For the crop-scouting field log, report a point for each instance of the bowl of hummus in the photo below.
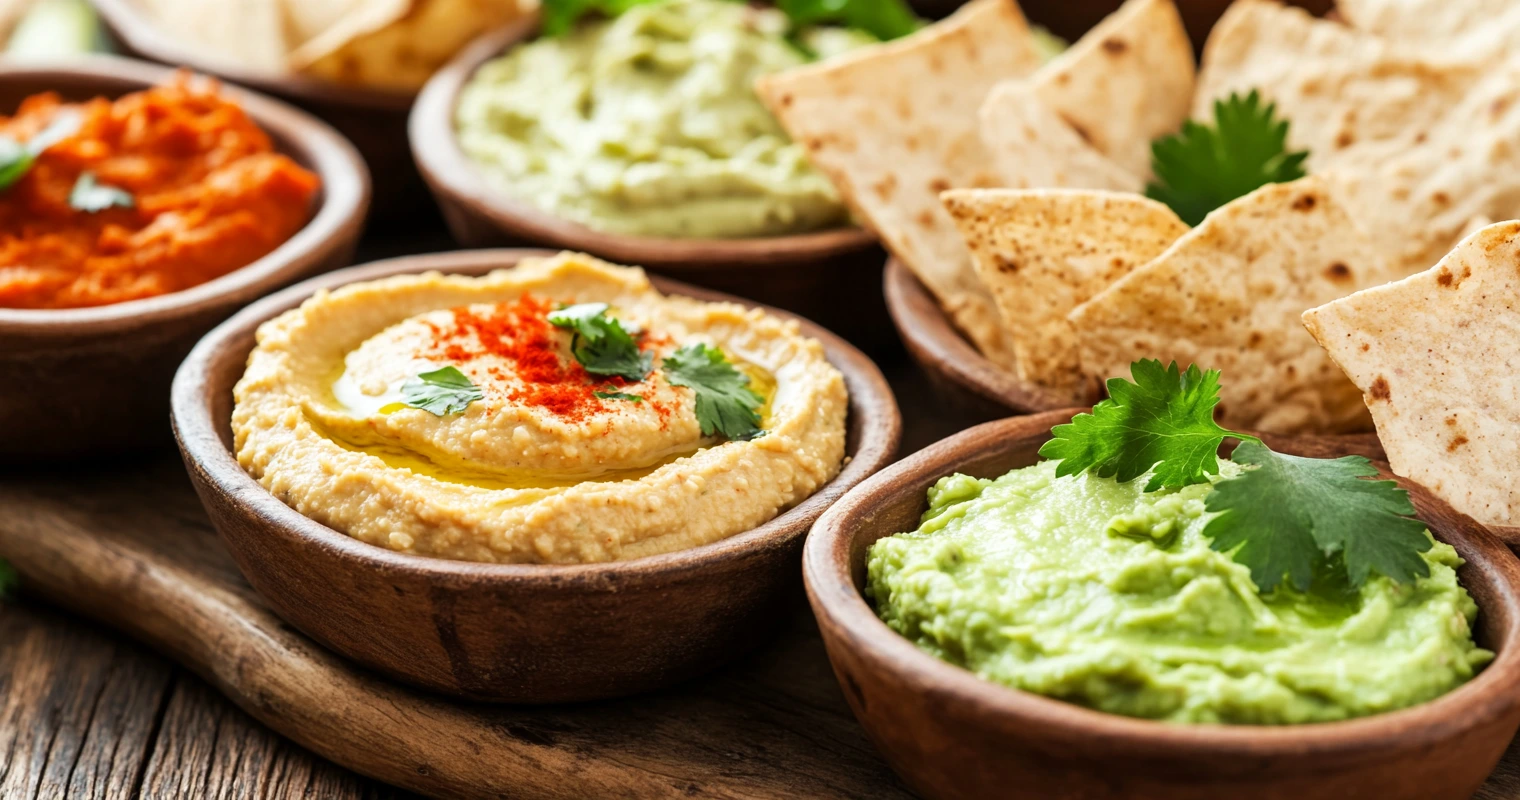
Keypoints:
(640, 139)
(525, 477)
(998, 622)
(138, 208)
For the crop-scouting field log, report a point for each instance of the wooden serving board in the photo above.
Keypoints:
(127, 544)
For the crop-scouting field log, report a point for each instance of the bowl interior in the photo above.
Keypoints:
(203, 409)
(452, 174)
(893, 501)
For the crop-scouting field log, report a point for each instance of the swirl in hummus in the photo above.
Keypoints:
(548, 463)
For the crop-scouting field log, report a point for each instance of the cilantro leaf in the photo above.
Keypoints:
(1164, 420)
(1287, 513)
(8, 579)
(601, 344)
(725, 403)
(89, 196)
(441, 392)
(558, 17)
(16, 159)
(1201, 168)
(884, 19)
(619, 396)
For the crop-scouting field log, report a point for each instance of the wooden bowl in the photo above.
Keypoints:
(373, 119)
(951, 734)
(826, 276)
(94, 380)
(519, 633)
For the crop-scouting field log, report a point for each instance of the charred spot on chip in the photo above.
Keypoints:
(1451, 420)
(938, 185)
(926, 218)
(1005, 264)
(1114, 46)
(1344, 139)
(1456, 442)
(786, 100)
(1338, 272)
(1305, 202)
(1441, 198)
(1444, 277)
(1379, 389)
(1366, 347)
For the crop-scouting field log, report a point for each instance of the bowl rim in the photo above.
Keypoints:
(128, 22)
(928, 333)
(204, 450)
(344, 199)
(839, 605)
(451, 175)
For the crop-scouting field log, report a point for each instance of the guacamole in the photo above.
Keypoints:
(1092, 591)
(648, 124)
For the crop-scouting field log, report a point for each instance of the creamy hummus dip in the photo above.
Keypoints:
(540, 461)
(648, 124)
(1098, 593)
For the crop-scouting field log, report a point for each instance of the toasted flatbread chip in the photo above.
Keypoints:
(1421, 142)
(1033, 147)
(1437, 356)
(240, 34)
(1044, 252)
(1125, 83)
(398, 44)
(895, 124)
(307, 19)
(1228, 295)
(1475, 28)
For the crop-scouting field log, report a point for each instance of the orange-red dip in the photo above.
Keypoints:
(210, 196)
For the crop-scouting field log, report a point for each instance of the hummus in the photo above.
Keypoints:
(1095, 592)
(549, 464)
(648, 124)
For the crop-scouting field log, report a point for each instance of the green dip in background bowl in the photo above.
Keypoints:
(648, 124)
(1095, 592)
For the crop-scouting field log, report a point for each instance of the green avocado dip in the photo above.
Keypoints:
(648, 124)
(1099, 593)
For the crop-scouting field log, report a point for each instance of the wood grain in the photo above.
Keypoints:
(128, 545)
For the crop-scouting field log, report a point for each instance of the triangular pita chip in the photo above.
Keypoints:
(398, 44)
(1482, 29)
(242, 34)
(1438, 358)
(1228, 296)
(895, 124)
(1125, 83)
(1044, 252)
(1033, 147)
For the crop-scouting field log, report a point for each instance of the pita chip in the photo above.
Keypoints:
(1228, 296)
(1437, 357)
(895, 124)
(1125, 83)
(397, 44)
(241, 34)
(1044, 252)
(1479, 29)
(1033, 147)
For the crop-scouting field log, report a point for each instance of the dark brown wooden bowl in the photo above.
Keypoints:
(951, 734)
(96, 380)
(506, 632)
(827, 276)
(373, 119)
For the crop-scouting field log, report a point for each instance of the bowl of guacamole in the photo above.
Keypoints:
(1003, 629)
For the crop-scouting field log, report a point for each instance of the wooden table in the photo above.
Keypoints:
(88, 713)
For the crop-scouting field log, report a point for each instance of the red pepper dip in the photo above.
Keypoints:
(208, 196)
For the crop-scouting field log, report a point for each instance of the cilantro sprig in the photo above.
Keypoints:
(441, 392)
(1282, 516)
(884, 19)
(1202, 167)
(17, 158)
(725, 403)
(91, 196)
(601, 344)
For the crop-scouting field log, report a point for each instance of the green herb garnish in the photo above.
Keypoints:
(725, 403)
(90, 196)
(619, 396)
(1201, 168)
(600, 343)
(441, 392)
(8, 579)
(1281, 516)
(884, 19)
(16, 158)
